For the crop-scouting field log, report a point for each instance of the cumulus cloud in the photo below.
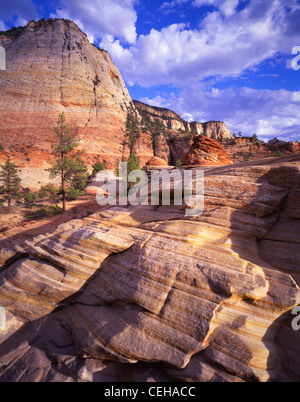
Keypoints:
(221, 46)
(102, 17)
(227, 7)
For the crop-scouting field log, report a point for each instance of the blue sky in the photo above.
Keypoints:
(228, 60)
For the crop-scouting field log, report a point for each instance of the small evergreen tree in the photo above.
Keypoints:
(30, 198)
(132, 132)
(11, 182)
(50, 191)
(156, 130)
(68, 165)
(133, 163)
(98, 167)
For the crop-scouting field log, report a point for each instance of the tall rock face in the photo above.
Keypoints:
(52, 67)
(147, 293)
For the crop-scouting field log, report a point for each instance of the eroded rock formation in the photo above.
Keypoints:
(172, 121)
(206, 152)
(144, 292)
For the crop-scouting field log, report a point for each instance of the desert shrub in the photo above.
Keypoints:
(278, 154)
(40, 213)
(188, 136)
(98, 167)
(247, 157)
(73, 193)
(30, 198)
(51, 192)
(44, 212)
(178, 163)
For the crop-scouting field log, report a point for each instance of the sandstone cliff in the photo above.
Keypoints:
(52, 67)
(145, 293)
(172, 121)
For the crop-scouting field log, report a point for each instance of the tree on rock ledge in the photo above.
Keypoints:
(11, 182)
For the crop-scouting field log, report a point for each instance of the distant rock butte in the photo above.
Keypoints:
(172, 121)
(243, 149)
(206, 152)
(148, 294)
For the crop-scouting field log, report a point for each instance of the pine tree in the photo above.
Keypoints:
(132, 133)
(68, 165)
(11, 182)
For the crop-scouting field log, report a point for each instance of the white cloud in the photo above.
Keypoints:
(264, 112)
(221, 46)
(102, 17)
(227, 7)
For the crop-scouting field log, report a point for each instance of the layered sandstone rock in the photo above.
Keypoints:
(154, 161)
(172, 121)
(52, 67)
(206, 152)
(251, 148)
(146, 293)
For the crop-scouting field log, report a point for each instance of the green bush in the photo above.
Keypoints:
(98, 167)
(44, 212)
(278, 154)
(247, 157)
(73, 194)
(40, 213)
(30, 198)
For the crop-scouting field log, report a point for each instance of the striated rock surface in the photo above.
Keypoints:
(206, 152)
(146, 293)
(154, 161)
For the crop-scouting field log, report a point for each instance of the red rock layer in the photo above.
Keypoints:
(206, 152)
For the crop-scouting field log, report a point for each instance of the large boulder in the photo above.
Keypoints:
(206, 152)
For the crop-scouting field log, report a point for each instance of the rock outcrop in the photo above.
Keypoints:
(206, 152)
(243, 149)
(172, 121)
(137, 293)
(154, 161)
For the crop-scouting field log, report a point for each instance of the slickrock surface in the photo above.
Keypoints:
(145, 293)
(206, 152)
